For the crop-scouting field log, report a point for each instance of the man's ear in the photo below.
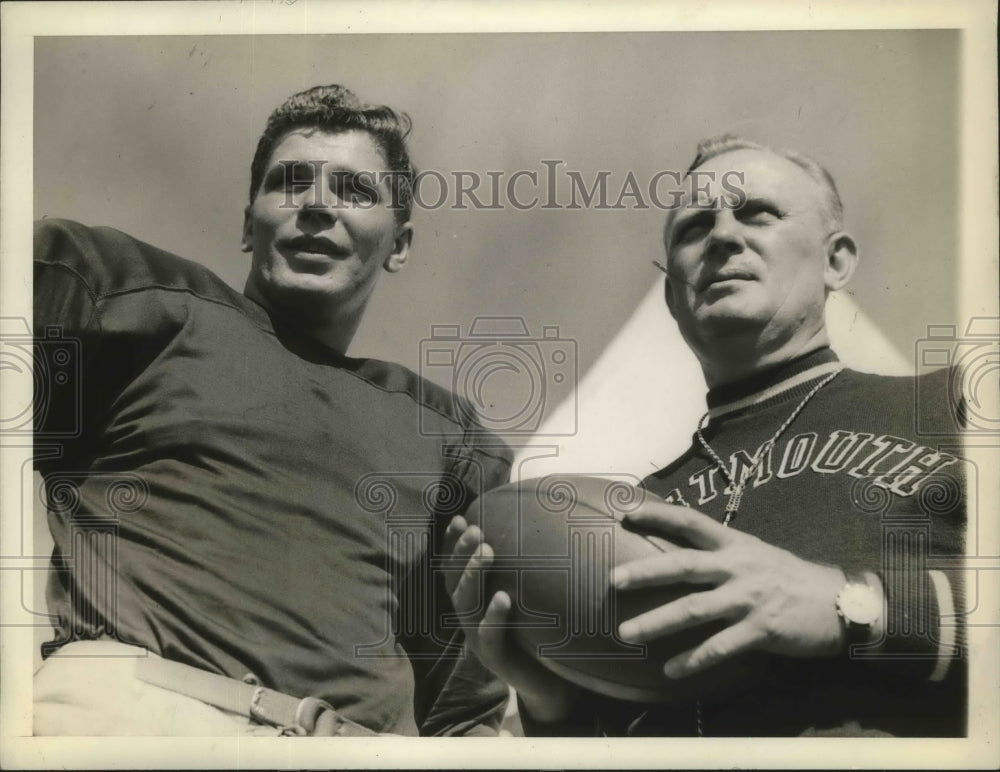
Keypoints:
(841, 260)
(400, 248)
(668, 295)
(246, 244)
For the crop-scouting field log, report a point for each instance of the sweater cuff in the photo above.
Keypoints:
(920, 636)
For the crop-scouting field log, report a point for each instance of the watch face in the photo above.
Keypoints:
(859, 604)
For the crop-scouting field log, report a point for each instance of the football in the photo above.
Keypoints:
(555, 541)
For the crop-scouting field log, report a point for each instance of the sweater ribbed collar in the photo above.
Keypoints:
(770, 383)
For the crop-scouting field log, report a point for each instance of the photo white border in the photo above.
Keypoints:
(977, 280)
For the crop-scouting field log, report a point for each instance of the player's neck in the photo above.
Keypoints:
(773, 381)
(335, 335)
(731, 362)
(333, 330)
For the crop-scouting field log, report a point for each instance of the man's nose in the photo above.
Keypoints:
(315, 203)
(727, 233)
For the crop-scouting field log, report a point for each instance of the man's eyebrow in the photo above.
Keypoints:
(759, 201)
(283, 165)
(681, 218)
(690, 213)
(325, 167)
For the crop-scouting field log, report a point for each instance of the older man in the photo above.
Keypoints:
(228, 554)
(812, 508)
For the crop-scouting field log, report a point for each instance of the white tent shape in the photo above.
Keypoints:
(638, 405)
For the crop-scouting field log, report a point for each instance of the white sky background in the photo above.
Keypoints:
(154, 135)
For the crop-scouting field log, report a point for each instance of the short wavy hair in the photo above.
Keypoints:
(727, 143)
(335, 108)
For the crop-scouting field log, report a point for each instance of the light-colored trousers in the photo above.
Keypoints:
(90, 688)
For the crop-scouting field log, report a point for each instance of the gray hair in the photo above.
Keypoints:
(727, 143)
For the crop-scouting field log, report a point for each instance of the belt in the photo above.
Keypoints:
(308, 716)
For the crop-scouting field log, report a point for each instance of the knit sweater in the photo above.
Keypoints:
(869, 476)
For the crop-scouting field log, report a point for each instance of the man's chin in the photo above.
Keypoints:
(301, 298)
(305, 286)
(722, 319)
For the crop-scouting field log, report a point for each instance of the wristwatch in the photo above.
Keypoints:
(859, 605)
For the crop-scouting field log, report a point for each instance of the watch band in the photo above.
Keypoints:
(856, 576)
(859, 605)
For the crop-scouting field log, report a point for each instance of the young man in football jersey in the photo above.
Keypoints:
(224, 559)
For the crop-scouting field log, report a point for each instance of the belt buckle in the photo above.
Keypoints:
(308, 710)
(257, 711)
(302, 723)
